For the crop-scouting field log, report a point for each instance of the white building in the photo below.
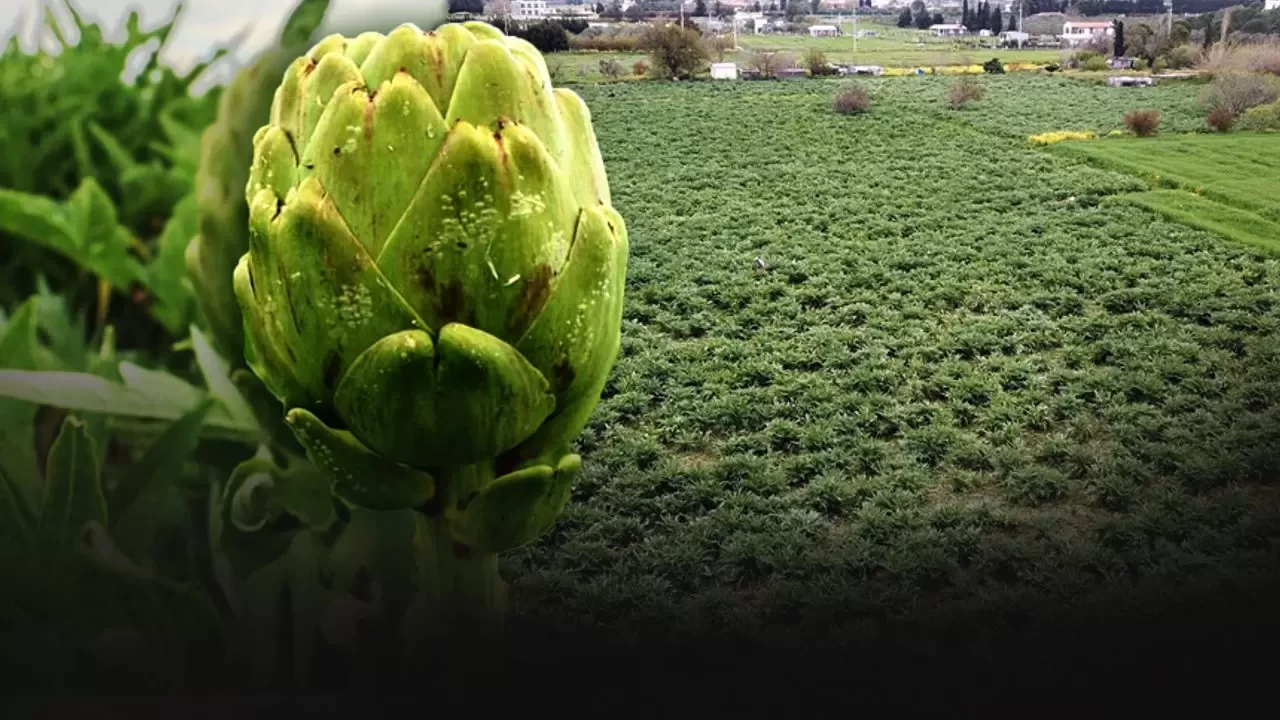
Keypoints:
(1272, 5)
(947, 30)
(724, 71)
(1079, 33)
(529, 9)
(824, 31)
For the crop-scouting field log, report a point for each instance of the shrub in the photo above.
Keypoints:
(1141, 64)
(964, 91)
(1143, 123)
(853, 100)
(1160, 65)
(993, 67)
(1182, 57)
(640, 68)
(1220, 119)
(1050, 138)
(611, 68)
(1096, 63)
(1240, 91)
(1262, 117)
(1079, 59)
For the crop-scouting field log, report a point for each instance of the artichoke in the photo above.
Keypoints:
(226, 149)
(434, 280)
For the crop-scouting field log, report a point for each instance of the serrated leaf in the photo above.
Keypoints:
(38, 219)
(303, 21)
(102, 245)
(73, 490)
(173, 302)
(217, 377)
(153, 484)
(169, 398)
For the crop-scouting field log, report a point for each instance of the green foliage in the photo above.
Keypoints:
(910, 389)
(72, 120)
(1261, 117)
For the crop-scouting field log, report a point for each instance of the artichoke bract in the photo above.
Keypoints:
(434, 281)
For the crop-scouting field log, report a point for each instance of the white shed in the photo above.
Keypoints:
(823, 31)
(947, 29)
(724, 71)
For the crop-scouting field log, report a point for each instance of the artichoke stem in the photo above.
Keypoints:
(462, 598)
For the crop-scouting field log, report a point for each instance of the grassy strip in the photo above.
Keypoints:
(1209, 214)
(1235, 170)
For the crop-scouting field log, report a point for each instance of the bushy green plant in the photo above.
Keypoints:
(993, 67)
(1261, 117)
(1096, 63)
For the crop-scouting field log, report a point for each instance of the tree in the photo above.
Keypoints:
(980, 17)
(700, 8)
(996, 22)
(814, 5)
(1013, 21)
(547, 36)
(1119, 39)
(635, 13)
(768, 62)
(475, 7)
(816, 62)
(599, 8)
(904, 19)
(938, 19)
(755, 7)
(678, 52)
(964, 13)
(923, 20)
(721, 45)
(614, 11)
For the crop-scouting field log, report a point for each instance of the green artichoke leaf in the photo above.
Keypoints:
(486, 233)
(362, 132)
(359, 476)
(432, 58)
(496, 84)
(463, 399)
(313, 298)
(514, 509)
(588, 299)
(582, 160)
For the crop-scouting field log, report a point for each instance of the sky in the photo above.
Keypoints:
(208, 24)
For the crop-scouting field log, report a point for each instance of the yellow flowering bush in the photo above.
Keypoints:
(1050, 138)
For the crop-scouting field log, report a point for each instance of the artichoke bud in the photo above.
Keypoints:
(435, 274)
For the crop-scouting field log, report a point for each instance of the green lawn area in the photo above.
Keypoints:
(962, 380)
(892, 48)
(1229, 184)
